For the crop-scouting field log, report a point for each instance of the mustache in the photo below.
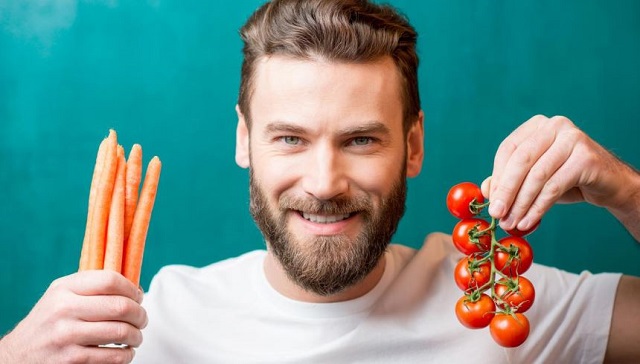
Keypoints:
(334, 206)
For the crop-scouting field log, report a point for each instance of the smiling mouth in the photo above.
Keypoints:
(324, 219)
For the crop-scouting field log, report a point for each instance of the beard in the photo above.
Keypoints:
(327, 265)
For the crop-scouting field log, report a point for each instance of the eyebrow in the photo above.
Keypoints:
(369, 127)
(282, 126)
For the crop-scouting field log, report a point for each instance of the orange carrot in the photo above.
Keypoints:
(132, 186)
(138, 235)
(115, 226)
(97, 170)
(103, 204)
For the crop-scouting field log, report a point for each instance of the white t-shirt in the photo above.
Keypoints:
(227, 312)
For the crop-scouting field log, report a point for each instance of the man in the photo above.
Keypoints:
(330, 126)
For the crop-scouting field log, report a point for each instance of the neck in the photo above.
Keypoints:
(278, 279)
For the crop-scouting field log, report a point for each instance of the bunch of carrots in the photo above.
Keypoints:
(119, 212)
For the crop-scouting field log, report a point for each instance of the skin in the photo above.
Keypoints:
(326, 130)
(549, 160)
(543, 162)
(75, 315)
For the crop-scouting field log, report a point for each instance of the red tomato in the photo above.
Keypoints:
(516, 259)
(461, 196)
(465, 242)
(475, 314)
(469, 274)
(518, 293)
(509, 331)
(523, 233)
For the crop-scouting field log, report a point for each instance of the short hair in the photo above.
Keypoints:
(335, 30)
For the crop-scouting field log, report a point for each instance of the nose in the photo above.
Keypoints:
(325, 175)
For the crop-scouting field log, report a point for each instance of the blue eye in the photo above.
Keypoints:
(291, 140)
(362, 140)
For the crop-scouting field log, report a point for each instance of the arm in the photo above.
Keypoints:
(545, 161)
(75, 315)
(624, 340)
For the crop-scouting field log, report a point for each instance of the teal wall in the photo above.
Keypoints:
(164, 73)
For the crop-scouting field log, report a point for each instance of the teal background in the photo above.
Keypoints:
(165, 74)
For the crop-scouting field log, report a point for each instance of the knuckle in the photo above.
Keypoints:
(538, 175)
(136, 339)
(120, 307)
(539, 118)
(143, 318)
(523, 156)
(62, 308)
(507, 146)
(56, 284)
(572, 135)
(119, 333)
(110, 280)
(554, 190)
(560, 120)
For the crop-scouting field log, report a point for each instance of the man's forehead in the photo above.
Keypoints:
(280, 81)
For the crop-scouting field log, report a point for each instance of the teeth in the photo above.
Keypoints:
(324, 219)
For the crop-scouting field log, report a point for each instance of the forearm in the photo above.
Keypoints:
(628, 213)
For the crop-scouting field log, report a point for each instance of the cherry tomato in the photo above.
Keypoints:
(517, 259)
(523, 233)
(475, 314)
(518, 293)
(469, 274)
(465, 242)
(509, 331)
(459, 198)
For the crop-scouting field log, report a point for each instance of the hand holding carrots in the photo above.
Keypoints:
(80, 313)
(75, 316)
(117, 220)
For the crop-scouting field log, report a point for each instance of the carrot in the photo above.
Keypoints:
(102, 205)
(135, 247)
(115, 226)
(97, 170)
(132, 186)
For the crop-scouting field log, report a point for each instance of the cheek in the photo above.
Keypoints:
(274, 174)
(377, 178)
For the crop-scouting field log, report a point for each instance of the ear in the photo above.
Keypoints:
(415, 146)
(242, 141)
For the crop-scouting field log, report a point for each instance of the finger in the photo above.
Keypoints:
(503, 155)
(107, 332)
(89, 354)
(103, 282)
(112, 308)
(485, 187)
(536, 178)
(527, 153)
(561, 182)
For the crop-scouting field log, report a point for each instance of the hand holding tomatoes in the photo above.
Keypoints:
(511, 294)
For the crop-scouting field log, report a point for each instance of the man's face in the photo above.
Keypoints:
(328, 161)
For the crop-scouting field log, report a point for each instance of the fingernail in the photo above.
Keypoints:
(140, 295)
(507, 224)
(524, 224)
(496, 208)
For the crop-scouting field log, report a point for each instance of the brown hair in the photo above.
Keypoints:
(338, 30)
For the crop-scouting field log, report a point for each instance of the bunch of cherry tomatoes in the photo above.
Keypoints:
(490, 275)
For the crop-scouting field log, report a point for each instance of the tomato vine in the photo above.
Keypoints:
(490, 265)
